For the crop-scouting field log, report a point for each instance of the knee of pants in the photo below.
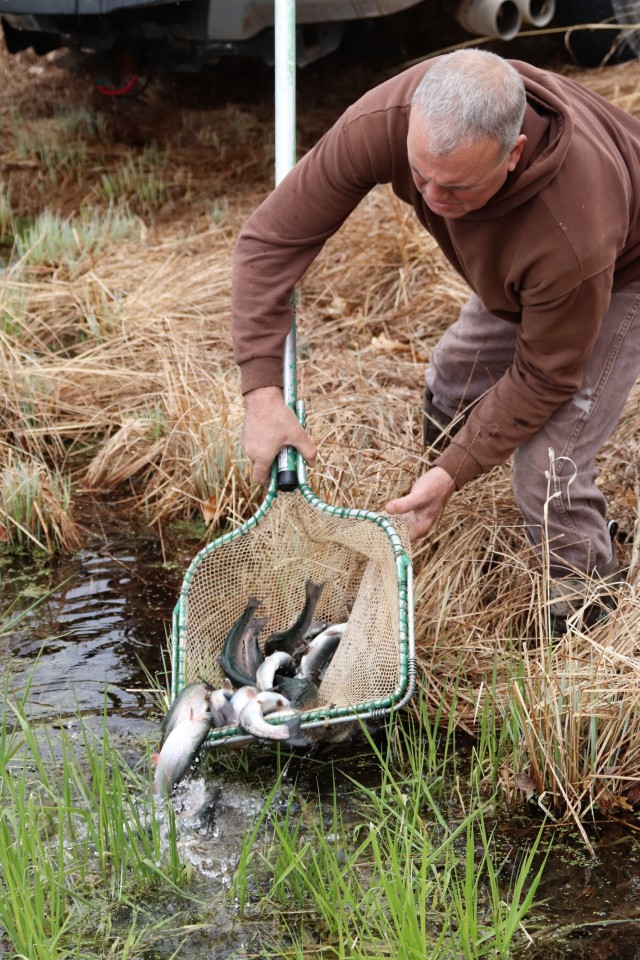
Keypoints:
(531, 484)
(449, 378)
(562, 504)
(546, 483)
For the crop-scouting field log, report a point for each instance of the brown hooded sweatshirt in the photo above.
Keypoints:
(545, 252)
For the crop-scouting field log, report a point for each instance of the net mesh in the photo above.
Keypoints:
(292, 543)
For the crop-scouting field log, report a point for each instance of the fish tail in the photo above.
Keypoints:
(293, 727)
(313, 590)
(296, 737)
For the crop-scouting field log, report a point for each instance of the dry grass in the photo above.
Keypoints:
(117, 372)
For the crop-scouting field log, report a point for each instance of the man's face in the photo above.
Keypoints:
(463, 180)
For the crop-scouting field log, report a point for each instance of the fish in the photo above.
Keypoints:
(251, 654)
(269, 701)
(290, 640)
(193, 696)
(320, 651)
(243, 634)
(251, 721)
(314, 628)
(203, 821)
(301, 692)
(241, 697)
(180, 749)
(278, 662)
(243, 669)
(222, 712)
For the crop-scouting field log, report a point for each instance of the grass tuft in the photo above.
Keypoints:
(79, 835)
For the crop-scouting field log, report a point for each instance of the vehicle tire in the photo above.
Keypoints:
(594, 48)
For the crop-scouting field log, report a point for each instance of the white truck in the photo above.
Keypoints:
(183, 35)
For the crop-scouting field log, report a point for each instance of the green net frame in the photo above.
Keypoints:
(364, 559)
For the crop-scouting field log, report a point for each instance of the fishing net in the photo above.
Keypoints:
(363, 561)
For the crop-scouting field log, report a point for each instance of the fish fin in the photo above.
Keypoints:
(293, 726)
(300, 741)
(154, 759)
(227, 685)
(314, 589)
(296, 737)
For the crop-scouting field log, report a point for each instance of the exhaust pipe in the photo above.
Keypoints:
(536, 12)
(497, 18)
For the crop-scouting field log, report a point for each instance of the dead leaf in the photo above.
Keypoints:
(210, 509)
(633, 793)
(526, 784)
(607, 802)
(382, 342)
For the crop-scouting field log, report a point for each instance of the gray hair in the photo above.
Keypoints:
(471, 95)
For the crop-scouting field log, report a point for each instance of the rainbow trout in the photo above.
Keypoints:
(293, 639)
(241, 655)
(320, 651)
(278, 662)
(181, 747)
(193, 697)
(251, 719)
(301, 692)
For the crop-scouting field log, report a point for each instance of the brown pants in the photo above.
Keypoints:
(556, 492)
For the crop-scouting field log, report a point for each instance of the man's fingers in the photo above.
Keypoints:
(270, 425)
(417, 529)
(308, 450)
(261, 472)
(401, 505)
(424, 503)
(262, 468)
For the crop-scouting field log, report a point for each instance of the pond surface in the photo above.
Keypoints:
(94, 620)
(105, 619)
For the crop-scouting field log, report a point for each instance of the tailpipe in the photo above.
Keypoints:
(536, 12)
(496, 18)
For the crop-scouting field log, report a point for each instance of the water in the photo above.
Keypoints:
(105, 621)
(94, 620)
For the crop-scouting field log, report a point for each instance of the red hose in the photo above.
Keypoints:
(121, 91)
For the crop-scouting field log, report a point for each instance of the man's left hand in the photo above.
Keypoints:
(424, 504)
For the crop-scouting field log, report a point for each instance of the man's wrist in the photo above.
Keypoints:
(260, 372)
(261, 395)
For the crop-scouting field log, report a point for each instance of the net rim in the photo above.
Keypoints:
(376, 708)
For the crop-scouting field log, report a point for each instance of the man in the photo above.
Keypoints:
(530, 184)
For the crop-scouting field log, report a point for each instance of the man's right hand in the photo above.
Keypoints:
(269, 425)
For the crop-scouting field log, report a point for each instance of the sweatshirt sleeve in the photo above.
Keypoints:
(279, 242)
(554, 342)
